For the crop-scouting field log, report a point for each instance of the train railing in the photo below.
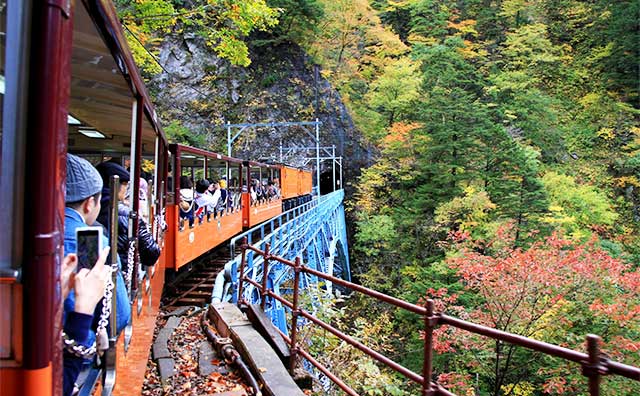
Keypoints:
(593, 363)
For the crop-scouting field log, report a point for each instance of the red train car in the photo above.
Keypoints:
(69, 84)
(83, 94)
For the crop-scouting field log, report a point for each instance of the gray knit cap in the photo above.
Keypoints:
(83, 180)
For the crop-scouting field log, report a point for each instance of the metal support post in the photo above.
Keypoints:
(109, 357)
(341, 183)
(294, 315)
(333, 167)
(427, 365)
(265, 275)
(229, 142)
(241, 274)
(592, 370)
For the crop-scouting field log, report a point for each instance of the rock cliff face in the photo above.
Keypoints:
(204, 92)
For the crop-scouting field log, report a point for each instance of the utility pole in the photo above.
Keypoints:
(318, 155)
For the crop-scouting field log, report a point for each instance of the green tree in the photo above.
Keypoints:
(577, 208)
(224, 24)
(395, 93)
(178, 133)
(297, 20)
(429, 19)
(455, 125)
(511, 178)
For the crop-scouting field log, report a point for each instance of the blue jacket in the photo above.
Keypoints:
(77, 327)
(72, 365)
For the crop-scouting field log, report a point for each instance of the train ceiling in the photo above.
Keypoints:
(101, 98)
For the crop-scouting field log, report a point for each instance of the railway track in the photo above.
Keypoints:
(194, 285)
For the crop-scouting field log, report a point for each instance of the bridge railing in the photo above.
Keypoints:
(594, 364)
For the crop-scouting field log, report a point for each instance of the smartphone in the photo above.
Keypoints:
(89, 246)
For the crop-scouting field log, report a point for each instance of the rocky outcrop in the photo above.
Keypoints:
(205, 92)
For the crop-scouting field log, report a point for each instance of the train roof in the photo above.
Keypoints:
(105, 83)
(180, 149)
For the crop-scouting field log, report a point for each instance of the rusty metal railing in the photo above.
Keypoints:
(594, 364)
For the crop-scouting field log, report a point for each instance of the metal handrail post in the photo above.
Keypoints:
(265, 272)
(592, 370)
(241, 275)
(110, 356)
(294, 315)
(427, 365)
(114, 186)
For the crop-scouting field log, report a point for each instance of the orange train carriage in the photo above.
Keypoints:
(90, 100)
(185, 242)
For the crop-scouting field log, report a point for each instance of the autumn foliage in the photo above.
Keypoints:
(555, 291)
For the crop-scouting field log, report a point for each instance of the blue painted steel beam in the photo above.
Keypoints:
(315, 232)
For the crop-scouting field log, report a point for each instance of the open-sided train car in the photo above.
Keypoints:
(187, 240)
(69, 84)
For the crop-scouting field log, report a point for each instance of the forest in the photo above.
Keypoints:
(505, 182)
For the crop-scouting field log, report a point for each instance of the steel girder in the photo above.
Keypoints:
(317, 234)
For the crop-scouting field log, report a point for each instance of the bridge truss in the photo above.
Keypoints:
(314, 232)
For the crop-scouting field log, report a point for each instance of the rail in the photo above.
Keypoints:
(594, 364)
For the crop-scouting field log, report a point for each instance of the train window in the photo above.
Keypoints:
(217, 170)
(3, 40)
(5, 290)
(276, 176)
(192, 166)
(14, 28)
(255, 173)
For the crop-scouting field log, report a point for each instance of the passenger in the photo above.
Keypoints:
(272, 191)
(254, 192)
(265, 192)
(88, 287)
(186, 199)
(148, 250)
(83, 193)
(111, 168)
(202, 200)
(224, 195)
(143, 198)
(219, 205)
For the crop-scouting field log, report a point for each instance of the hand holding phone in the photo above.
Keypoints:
(89, 285)
(89, 246)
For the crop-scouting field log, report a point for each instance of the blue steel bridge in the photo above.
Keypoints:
(315, 232)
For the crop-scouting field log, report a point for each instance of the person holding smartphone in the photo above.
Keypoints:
(83, 193)
(88, 285)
